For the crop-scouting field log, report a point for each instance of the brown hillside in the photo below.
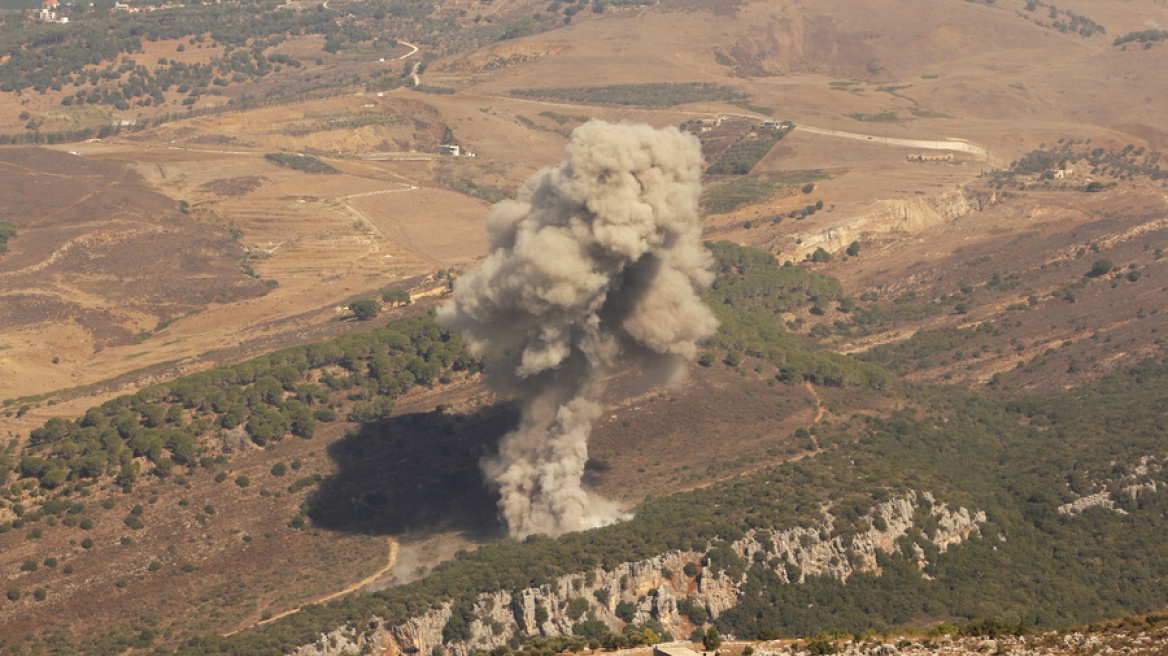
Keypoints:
(100, 258)
(104, 261)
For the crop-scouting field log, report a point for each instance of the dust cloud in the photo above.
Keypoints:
(597, 262)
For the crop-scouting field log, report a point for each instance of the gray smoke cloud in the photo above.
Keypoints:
(597, 261)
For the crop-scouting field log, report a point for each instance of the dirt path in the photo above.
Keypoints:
(927, 144)
(818, 412)
(408, 54)
(952, 143)
(390, 561)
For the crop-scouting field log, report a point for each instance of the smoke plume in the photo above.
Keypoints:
(597, 261)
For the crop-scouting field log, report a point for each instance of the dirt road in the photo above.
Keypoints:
(390, 561)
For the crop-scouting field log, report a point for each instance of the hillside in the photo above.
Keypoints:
(953, 486)
(934, 397)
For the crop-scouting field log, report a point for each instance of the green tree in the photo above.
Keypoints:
(853, 249)
(576, 608)
(1101, 267)
(266, 425)
(711, 640)
(300, 419)
(365, 309)
(7, 231)
(820, 255)
(396, 297)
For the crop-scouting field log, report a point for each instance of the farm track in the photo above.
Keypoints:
(391, 560)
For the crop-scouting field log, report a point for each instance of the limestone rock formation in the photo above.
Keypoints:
(655, 585)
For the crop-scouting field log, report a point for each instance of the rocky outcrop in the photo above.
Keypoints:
(898, 216)
(655, 586)
(1132, 480)
(1097, 500)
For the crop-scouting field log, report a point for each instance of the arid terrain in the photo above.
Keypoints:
(153, 253)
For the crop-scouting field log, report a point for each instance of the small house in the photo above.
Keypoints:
(48, 12)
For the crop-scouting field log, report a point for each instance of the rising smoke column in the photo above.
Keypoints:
(597, 261)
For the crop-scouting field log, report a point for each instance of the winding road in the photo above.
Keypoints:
(391, 560)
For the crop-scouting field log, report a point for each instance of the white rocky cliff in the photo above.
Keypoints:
(656, 585)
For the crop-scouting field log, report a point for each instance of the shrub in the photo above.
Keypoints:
(576, 608)
(365, 309)
(1101, 267)
(396, 297)
(819, 255)
(301, 483)
(304, 163)
(665, 94)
